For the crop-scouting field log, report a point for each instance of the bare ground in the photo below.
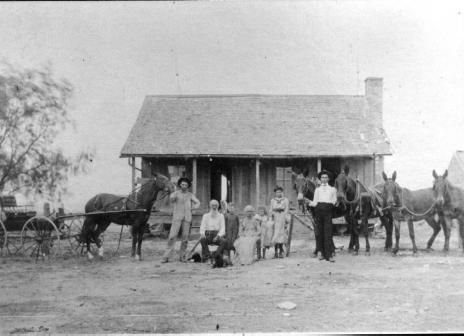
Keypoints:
(355, 294)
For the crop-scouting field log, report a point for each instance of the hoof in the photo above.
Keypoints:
(355, 253)
(368, 253)
(429, 249)
(90, 256)
(137, 257)
(100, 252)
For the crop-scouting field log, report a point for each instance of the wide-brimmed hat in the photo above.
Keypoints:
(324, 172)
(278, 188)
(249, 208)
(184, 179)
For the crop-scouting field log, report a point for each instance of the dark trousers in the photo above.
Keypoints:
(209, 239)
(324, 240)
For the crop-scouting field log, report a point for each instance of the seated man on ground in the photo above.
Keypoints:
(212, 230)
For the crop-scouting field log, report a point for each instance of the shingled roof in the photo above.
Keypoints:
(256, 126)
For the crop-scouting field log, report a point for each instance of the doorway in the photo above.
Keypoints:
(221, 179)
(333, 166)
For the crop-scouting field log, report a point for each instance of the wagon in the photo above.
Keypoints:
(23, 232)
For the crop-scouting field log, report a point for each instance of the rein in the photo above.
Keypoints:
(409, 211)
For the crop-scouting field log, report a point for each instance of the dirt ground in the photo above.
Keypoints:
(355, 294)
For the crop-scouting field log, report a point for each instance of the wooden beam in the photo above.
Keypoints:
(257, 163)
(132, 163)
(194, 176)
(374, 169)
(319, 165)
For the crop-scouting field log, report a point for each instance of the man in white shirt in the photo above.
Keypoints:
(212, 229)
(324, 200)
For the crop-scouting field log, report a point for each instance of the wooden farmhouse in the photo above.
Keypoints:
(239, 147)
(456, 169)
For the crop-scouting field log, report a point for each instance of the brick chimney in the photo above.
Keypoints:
(374, 97)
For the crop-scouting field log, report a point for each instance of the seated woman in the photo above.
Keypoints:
(249, 233)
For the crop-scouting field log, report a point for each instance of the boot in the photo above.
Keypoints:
(281, 251)
(275, 252)
(264, 253)
(258, 252)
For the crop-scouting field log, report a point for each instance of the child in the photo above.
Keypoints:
(267, 232)
(262, 218)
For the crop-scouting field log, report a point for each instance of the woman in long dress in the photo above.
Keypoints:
(279, 208)
(249, 233)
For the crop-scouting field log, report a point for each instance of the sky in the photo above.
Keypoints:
(116, 53)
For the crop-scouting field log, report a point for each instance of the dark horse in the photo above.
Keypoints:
(304, 187)
(347, 200)
(360, 203)
(143, 198)
(449, 201)
(411, 205)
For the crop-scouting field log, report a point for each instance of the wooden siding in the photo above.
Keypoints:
(242, 176)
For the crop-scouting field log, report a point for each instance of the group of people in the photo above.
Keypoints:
(256, 232)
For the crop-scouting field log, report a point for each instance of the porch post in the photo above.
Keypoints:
(257, 163)
(132, 164)
(194, 176)
(374, 169)
(319, 165)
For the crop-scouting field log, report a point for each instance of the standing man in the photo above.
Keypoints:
(184, 201)
(325, 198)
(212, 230)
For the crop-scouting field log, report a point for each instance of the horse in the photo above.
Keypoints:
(96, 224)
(305, 188)
(410, 205)
(449, 201)
(347, 199)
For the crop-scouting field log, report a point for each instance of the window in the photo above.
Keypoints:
(176, 172)
(284, 179)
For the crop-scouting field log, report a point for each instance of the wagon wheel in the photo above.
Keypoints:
(40, 238)
(3, 237)
(73, 229)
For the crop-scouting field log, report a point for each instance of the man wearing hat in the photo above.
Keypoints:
(183, 201)
(324, 200)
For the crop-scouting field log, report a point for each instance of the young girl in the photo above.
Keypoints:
(267, 232)
(261, 218)
(279, 208)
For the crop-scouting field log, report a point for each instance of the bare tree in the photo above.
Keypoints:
(33, 111)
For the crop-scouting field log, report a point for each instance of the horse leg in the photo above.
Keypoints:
(87, 231)
(387, 223)
(436, 229)
(134, 239)
(365, 226)
(397, 225)
(140, 232)
(446, 224)
(461, 230)
(101, 227)
(411, 235)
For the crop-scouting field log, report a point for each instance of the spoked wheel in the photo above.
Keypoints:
(40, 238)
(3, 238)
(73, 228)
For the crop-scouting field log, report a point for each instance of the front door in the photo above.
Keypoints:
(221, 176)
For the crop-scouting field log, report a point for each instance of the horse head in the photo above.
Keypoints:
(390, 191)
(155, 184)
(440, 189)
(345, 186)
